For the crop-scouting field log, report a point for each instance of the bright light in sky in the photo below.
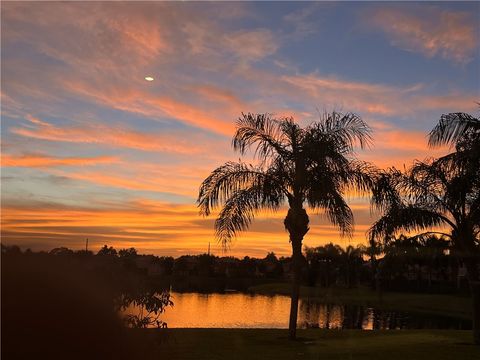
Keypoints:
(149, 78)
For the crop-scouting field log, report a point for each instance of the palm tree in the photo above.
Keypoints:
(430, 195)
(297, 166)
(463, 131)
(442, 192)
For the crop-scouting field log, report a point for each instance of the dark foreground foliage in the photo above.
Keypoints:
(65, 307)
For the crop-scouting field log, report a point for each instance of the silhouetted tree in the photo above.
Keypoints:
(107, 251)
(127, 253)
(462, 131)
(442, 192)
(432, 194)
(61, 251)
(315, 166)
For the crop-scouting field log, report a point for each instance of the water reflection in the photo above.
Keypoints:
(238, 310)
(334, 316)
(227, 311)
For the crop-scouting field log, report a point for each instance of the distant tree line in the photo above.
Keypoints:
(417, 263)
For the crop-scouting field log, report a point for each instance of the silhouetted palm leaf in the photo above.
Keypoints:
(452, 128)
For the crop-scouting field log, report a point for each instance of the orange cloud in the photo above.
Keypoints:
(37, 160)
(180, 179)
(398, 147)
(369, 98)
(361, 96)
(251, 45)
(152, 106)
(126, 40)
(220, 96)
(153, 226)
(108, 135)
(430, 31)
(456, 102)
(168, 183)
(192, 115)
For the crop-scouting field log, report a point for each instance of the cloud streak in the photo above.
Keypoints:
(112, 135)
(43, 161)
(429, 30)
(158, 227)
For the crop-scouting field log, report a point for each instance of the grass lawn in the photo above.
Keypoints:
(250, 344)
(446, 305)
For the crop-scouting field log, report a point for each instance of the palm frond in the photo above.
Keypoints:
(262, 132)
(336, 209)
(386, 190)
(359, 177)
(451, 128)
(229, 178)
(409, 218)
(346, 130)
(240, 209)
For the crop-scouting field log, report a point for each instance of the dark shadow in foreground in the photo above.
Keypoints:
(56, 310)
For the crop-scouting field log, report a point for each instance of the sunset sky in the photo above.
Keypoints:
(90, 149)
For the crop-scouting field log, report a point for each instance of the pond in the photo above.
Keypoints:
(239, 310)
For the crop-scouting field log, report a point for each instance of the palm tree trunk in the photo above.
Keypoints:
(296, 262)
(296, 223)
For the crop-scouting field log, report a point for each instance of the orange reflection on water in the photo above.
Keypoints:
(238, 310)
(233, 310)
(228, 311)
(368, 321)
(324, 316)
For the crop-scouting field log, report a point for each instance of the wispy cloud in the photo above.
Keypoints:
(112, 135)
(155, 107)
(429, 30)
(373, 98)
(251, 45)
(305, 21)
(39, 160)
